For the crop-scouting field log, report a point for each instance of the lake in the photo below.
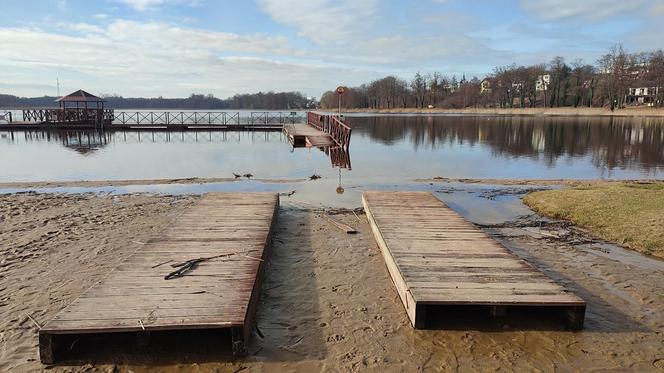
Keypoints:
(384, 149)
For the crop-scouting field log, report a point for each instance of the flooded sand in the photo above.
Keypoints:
(327, 302)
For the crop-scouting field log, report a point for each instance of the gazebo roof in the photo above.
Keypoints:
(80, 96)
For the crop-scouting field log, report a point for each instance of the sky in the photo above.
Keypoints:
(173, 48)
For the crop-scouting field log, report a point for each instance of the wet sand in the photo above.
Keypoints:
(117, 183)
(35, 185)
(327, 302)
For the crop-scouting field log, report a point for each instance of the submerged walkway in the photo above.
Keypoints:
(218, 245)
(436, 259)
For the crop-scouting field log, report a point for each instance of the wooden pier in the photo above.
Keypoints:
(436, 259)
(321, 131)
(300, 134)
(218, 244)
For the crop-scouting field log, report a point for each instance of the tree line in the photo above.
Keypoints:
(256, 101)
(617, 79)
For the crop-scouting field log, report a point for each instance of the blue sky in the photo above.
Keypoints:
(173, 48)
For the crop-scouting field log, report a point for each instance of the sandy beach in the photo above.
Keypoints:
(327, 302)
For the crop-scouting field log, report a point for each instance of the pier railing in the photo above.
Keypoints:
(161, 118)
(210, 118)
(6, 117)
(331, 124)
(69, 115)
(339, 157)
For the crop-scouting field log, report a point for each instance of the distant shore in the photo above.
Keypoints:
(563, 111)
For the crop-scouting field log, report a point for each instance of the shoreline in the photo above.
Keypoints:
(564, 111)
(561, 182)
(128, 182)
(212, 180)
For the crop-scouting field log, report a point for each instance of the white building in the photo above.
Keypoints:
(542, 83)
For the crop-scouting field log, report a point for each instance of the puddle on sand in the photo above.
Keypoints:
(624, 256)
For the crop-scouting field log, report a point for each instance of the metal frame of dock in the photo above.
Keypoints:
(436, 258)
(59, 119)
(226, 235)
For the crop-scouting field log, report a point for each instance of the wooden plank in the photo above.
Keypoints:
(301, 134)
(436, 257)
(231, 229)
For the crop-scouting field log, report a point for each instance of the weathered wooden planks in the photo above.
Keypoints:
(219, 293)
(435, 257)
(301, 134)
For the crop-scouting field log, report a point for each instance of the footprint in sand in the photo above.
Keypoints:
(658, 363)
(335, 338)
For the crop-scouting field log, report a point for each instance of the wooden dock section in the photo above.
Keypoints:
(436, 259)
(300, 134)
(226, 235)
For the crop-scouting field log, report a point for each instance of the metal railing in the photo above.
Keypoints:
(69, 115)
(6, 117)
(331, 124)
(197, 118)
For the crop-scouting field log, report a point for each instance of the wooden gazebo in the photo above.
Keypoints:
(79, 109)
(84, 108)
(82, 100)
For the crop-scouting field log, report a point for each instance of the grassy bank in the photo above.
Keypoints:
(563, 111)
(630, 214)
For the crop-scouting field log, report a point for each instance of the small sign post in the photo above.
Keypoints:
(340, 91)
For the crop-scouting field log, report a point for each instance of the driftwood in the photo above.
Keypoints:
(34, 321)
(161, 264)
(189, 265)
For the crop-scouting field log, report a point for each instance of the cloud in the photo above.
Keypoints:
(363, 33)
(143, 5)
(187, 40)
(550, 10)
(657, 10)
(152, 59)
(85, 28)
(324, 21)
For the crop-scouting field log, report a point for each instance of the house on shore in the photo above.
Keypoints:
(542, 82)
(485, 85)
(645, 93)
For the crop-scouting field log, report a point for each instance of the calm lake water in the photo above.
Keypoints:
(384, 149)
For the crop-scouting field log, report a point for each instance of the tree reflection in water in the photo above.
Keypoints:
(612, 142)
